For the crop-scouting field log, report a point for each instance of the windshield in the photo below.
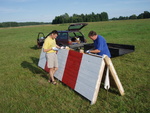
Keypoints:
(75, 27)
(62, 36)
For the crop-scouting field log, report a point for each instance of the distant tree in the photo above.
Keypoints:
(74, 19)
(114, 18)
(140, 16)
(80, 18)
(123, 18)
(14, 24)
(65, 18)
(65, 15)
(83, 17)
(86, 18)
(133, 16)
(146, 14)
(126, 17)
(100, 17)
(104, 16)
(74, 15)
(58, 20)
(1, 25)
(97, 17)
(89, 18)
(71, 20)
(9, 24)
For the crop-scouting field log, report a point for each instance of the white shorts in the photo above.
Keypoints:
(52, 61)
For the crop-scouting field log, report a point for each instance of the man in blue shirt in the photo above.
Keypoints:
(100, 44)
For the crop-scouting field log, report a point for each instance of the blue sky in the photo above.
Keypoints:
(46, 10)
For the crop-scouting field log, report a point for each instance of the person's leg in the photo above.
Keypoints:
(51, 73)
(55, 69)
(53, 65)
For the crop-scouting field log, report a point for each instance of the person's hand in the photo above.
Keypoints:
(55, 48)
(62, 47)
(67, 47)
(88, 51)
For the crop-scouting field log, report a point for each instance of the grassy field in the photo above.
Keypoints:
(24, 87)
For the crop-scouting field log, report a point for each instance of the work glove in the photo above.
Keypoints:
(55, 48)
(88, 51)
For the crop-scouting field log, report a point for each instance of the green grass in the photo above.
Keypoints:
(24, 87)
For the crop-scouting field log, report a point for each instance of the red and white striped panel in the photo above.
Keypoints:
(81, 72)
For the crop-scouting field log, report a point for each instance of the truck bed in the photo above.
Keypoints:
(115, 49)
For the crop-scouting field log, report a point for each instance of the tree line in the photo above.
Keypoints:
(143, 15)
(16, 24)
(65, 18)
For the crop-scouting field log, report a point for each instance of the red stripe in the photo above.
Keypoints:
(72, 68)
(46, 68)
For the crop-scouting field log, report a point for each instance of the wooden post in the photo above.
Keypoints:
(114, 74)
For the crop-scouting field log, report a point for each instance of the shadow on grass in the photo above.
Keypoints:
(113, 87)
(113, 90)
(35, 47)
(33, 67)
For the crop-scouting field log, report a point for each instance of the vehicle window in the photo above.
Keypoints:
(75, 27)
(62, 36)
(78, 34)
(71, 34)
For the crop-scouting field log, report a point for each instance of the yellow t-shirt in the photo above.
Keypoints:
(49, 43)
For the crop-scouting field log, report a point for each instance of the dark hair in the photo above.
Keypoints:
(54, 32)
(92, 33)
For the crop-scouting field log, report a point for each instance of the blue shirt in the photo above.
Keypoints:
(100, 44)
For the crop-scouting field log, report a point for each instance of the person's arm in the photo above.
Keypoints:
(99, 47)
(58, 46)
(95, 51)
(46, 50)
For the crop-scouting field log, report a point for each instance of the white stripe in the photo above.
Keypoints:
(62, 58)
(42, 60)
(88, 76)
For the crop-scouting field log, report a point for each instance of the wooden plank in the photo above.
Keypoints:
(62, 58)
(89, 70)
(84, 90)
(90, 67)
(114, 74)
(88, 81)
(98, 82)
(72, 68)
